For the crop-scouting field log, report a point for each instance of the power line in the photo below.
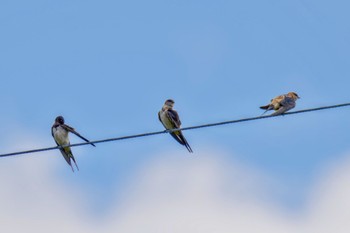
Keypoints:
(174, 130)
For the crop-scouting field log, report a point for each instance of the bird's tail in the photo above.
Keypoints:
(185, 143)
(71, 167)
(67, 155)
(266, 108)
(178, 136)
(74, 163)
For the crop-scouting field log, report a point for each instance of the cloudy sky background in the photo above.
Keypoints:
(108, 66)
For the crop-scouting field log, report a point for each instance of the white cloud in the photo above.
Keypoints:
(329, 206)
(206, 192)
(199, 195)
(32, 199)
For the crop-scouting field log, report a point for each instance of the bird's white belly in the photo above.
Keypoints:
(61, 136)
(165, 120)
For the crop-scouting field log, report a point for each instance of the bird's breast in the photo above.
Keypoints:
(61, 135)
(166, 121)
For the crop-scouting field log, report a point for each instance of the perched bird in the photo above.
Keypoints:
(170, 119)
(59, 131)
(281, 104)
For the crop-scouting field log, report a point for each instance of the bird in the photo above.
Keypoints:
(281, 103)
(59, 131)
(171, 120)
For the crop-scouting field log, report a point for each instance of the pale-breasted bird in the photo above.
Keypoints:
(281, 104)
(170, 120)
(59, 131)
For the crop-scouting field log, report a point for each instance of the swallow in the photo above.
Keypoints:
(281, 104)
(59, 131)
(171, 120)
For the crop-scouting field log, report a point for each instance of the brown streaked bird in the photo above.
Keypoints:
(170, 120)
(281, 104)
(59, 131)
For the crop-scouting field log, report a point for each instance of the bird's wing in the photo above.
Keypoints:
(280, 111)
(277, 100)
(174, 118)
(274, 104)
(72, 130)
(288, 102)
(175, 122)
(286, 105)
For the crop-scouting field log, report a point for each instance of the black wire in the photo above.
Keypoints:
(174, 130)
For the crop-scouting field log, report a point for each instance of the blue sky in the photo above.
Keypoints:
(108, 66)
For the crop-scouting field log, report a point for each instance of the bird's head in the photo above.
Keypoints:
(59, 120)
(169, 103)
(293, 95)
